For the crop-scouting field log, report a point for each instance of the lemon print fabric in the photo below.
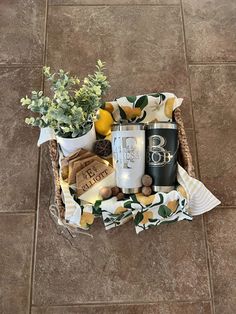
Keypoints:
(145, 200)
(86, 220)
(144, 108)
(161, 208)
(169, 107)
(120, 210)
(146, 216)
(182, 191)
(115, 213)
(172, 205)
(145, 211)
(109, 107)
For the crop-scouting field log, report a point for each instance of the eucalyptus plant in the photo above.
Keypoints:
(72, 109)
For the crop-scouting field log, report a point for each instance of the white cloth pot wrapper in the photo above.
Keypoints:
(69, 145)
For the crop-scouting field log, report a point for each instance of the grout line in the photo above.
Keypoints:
(18, 212)
(20, 65)
(209, 265)
(38, 177)
(112, 303)
(192, 64)
(199, 63)
(114, 5)
(190, 91)
(198, 167)
(34, 244)
(189, 86)
(226, 206)
(45, 38)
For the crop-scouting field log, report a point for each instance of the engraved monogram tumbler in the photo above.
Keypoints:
(161, 155)
(128, 149)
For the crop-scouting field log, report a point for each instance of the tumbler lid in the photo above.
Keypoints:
(161, 125)
(128, 126)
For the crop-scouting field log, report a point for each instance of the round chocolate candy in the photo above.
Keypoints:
(146, 190)
(120, 196)
(146, 180)
(105, 192)
(115, 190)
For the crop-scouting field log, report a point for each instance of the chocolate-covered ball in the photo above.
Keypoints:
(102, 148)
(115, 190)
(146, 190)
(146, 180)
(120, 196)
(105, 192)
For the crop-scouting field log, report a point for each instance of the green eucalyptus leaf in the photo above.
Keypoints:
(70, 111)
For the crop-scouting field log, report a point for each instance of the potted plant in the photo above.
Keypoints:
(71, 110)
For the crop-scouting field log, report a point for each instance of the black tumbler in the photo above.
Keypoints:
(161, 155)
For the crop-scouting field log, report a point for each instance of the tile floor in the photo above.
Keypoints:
(184, 46)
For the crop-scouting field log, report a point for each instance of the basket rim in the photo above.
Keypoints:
(184, 156)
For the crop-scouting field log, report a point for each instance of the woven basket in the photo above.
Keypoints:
(184, 158)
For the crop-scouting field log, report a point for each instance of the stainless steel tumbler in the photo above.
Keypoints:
(161, 155)
(128, 149)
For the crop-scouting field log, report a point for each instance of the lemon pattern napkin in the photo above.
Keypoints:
(145, 108)
(190, 198)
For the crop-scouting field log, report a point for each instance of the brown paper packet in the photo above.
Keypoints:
(80, 164)
(65, 161)
(90, 175)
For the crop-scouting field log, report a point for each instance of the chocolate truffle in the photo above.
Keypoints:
(115, 190)
(105, 192)
(120, 196)
(146, 190)
(146, 180)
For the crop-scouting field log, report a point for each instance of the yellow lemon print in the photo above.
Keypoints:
(172, 205)
(109, 107)
(169, 105)
(104, 122)
(120, 210)
(131, 113)
(145, 200)
(182, 191)
(146, 215)
(86, 219)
